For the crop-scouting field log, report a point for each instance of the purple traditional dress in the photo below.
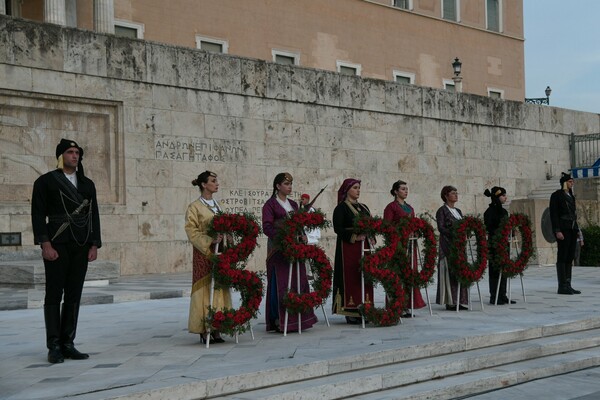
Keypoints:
(447, 284)
(394, 212)
(278, 267)
(198, 218)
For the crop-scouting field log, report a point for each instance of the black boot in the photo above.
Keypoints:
(52, 321)
(568, 269)
(563, 287)
(70, 312)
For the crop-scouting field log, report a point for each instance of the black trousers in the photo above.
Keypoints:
(66, 274)
(566, 247)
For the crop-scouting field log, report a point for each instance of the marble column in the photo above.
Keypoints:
(104, 16)
(55, 12)
(2, 8)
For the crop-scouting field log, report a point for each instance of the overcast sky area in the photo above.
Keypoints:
(562, 50)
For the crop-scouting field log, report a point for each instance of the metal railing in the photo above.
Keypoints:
(585, 150)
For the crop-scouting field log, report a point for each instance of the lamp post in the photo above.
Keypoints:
(457, 67)
(541, 100)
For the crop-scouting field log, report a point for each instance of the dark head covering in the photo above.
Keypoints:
(343, 190)
(495, 193)
(563, 179)
(305, 196)
(64, 145)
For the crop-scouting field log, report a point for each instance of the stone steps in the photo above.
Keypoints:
(439, 370)
(545, 190)
(30, 273)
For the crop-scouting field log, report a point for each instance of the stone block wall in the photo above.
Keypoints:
(151, 117)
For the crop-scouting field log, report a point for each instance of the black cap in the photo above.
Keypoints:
(66, 144)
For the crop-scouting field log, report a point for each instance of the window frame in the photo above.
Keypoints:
(409, 8)
(409, 75)
(500, 17)
(495, 90)
(285, 53)
(457, 4)
(139, 27)
(223, 42)
(448, 82)
(348, 64)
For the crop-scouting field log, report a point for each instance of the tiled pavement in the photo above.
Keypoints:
(137, 344)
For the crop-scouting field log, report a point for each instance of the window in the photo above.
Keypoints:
(450, 10)
(404, 77)
(211, 44)
(285, 57)
(129, 29)
(495, 93)
(347, 68)
(449, 85)
(404, 4)
(493, 13)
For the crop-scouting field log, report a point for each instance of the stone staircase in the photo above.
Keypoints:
(545, 190)
(441, 370)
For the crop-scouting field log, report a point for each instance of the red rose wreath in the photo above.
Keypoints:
(416, 228)
(293, 250)
(245, 230)
(500, 242)
(464, 271)
(375, 268)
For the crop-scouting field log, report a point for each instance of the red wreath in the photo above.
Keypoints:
(419, 228)
(374, 264)
(293, 250)
(244, 229)
(464, 271)
(500, 243)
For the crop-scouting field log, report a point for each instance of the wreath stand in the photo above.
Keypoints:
(513, 245)
(413, 247)
(469, 290)
(322, 305)
(289, 287)
(211, 298)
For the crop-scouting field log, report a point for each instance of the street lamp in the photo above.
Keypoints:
(541, 100)
(457, 67)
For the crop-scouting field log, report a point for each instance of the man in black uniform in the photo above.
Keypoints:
(563, 214)
(66, 224)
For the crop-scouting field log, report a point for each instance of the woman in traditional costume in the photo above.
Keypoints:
(447, 286)
(347, 290)
(492, 218)
(395, 212)
(198, 219)
(274, 213)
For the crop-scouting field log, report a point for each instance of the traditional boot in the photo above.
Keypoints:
(568, 269)
(70, 312)
(52, 321)
(561, 274)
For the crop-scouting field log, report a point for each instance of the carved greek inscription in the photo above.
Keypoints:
(200, 150)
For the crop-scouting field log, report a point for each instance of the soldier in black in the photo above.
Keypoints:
(66, 224)
(563, 213)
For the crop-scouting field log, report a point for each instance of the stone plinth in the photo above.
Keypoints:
(31, 272)
(534, 208)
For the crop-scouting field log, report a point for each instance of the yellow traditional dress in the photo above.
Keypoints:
(198, 218)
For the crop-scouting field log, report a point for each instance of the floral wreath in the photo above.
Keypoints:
(374, 264)
(419, 228)
(467, 273)
(500, 243)
(287, 242)
(244, 229)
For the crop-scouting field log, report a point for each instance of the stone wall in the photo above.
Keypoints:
(151, 117)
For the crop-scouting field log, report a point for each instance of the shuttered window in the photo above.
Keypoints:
(450, 10)
(493, 15)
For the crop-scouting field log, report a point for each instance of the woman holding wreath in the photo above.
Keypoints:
(395, 212)
(274, 213)
(492, 217)
(447, 284)
(347, 274)
(198, 219)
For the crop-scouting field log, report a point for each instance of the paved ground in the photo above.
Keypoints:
(143, 344)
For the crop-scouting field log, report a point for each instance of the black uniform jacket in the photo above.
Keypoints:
(562, 211)
(53, 197)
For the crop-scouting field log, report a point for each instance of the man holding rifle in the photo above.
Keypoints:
(66, 224)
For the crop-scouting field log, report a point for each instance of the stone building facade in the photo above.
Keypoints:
(413, 41)
(151, 117)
